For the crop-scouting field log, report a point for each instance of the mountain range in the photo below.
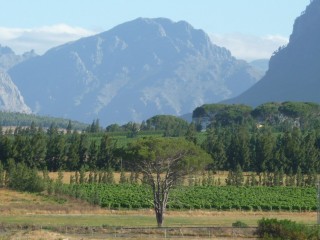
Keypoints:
(11, 99)
(294, 70)
(134, 71)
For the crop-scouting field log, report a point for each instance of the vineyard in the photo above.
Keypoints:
(133, 196)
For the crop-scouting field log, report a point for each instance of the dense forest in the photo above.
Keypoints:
(234, 138)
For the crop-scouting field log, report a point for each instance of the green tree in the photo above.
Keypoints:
(94, 127)
(2, 172)
(215, 147)
(238, 151)
(311, 153)
(38, 143)
(82, 175)
(191, 134)
(69, 127)
(55, 155)
(171, 125)
(110, 176)
(92, 155)
(164, 162)
(133, 129)
(5, 149)
(264, 151)
(106, 157)
(83, 150)
(23, 178)
(123, 178)
(73, 159)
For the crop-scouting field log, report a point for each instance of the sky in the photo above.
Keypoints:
(250, 29)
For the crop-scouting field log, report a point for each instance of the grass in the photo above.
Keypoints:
(221, 219)
(24, 208)
(31, 209)
(222, 175)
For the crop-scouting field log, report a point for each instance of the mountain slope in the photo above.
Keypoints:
(8, 58)
(294, 70)
(132, 72)
(10, 97)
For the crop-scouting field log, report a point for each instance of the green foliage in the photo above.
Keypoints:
(207, 110)
(259, 149)
(171, 125)
(2, 175)
(94, 127)
(163, 163)
(22, 119)
(266, 111)
(239, 224)
(278, 115)
(285, 229)
(223, 114)
(299, 109)
(106, 157)
(235, 178)
(200, 197)
(23, 178)
(181, 156)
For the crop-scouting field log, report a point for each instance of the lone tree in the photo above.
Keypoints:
(163, 162)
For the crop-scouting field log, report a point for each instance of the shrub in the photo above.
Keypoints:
(285, 229)
(239, 224)
(22, 178)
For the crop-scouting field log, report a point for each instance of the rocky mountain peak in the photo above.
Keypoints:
(8, 58)
(5, 50)
(307, 23)
(294, 69)
(10, 97)
(136, 70)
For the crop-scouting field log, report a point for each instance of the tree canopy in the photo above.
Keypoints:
(163, 163)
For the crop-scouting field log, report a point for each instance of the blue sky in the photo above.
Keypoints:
(249, 28)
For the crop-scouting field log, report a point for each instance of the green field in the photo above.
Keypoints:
(130, 196)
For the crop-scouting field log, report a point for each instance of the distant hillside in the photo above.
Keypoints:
(136, 70)
(294, 70)
(278, 115)
(261, 64)
(21, 119)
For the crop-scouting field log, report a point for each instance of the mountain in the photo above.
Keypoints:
(294, 70)
(136, 70)
(10, 97)
(8, 58)
(261, 64)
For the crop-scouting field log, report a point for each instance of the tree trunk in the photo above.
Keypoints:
(159, 216)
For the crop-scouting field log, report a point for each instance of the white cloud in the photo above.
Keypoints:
(249, 47)
(40, 39)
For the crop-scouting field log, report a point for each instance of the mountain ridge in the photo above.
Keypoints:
(133, 71)
(294, 69)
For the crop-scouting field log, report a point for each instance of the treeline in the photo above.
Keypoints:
(278, 116)
(22, 119)
(234, 141)
(262, 150)
(166, 125)
(258, 150)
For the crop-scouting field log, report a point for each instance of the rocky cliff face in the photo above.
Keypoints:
(10, 97)
(132, 72)
(294, 70)
(8, 58)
